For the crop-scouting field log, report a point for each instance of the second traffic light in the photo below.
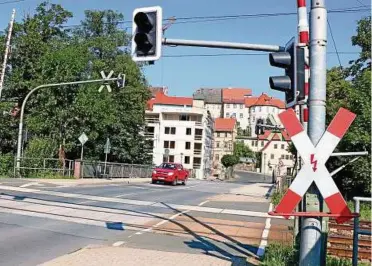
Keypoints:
(147, 34)
(293, 82)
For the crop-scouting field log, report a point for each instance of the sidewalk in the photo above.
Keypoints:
(115, 256)
(87, 181)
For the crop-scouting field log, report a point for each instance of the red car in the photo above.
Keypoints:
(170, 173)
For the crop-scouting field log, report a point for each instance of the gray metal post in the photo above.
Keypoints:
(355, 233)
(82, 152)
(311, 234)
(104, 170)
(20, 128)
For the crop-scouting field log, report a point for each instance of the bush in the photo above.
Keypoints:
(276, 197)
(365, 209)
(278, 254)
(6, 165)
(229, 160)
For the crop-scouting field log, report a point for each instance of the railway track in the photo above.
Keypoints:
(340, 240)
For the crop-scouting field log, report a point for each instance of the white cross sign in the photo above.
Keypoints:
(314, 158)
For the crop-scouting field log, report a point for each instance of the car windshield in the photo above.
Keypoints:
(167, 166)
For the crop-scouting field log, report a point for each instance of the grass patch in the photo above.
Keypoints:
(276, 197)
(278, 254)
(365, 209)
(333, 261)
(47, 175)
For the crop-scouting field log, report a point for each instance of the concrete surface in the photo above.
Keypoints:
(112, 256)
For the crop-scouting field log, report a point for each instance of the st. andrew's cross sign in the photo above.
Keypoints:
(314, 170)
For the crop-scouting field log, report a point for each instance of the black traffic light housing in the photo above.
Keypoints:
(292, 59)
(259, 128)
(147, 34)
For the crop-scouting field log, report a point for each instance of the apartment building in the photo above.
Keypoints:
(262, 107)
(182, 131)
(225, 131)
(234, 105)
(273, 147)
(212, 99)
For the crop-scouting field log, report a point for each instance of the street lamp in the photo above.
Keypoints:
(20, 130)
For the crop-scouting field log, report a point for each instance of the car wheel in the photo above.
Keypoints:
(175, 181)
(184, 182)
(153, 182)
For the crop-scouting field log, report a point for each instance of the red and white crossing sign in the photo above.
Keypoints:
(314, 158)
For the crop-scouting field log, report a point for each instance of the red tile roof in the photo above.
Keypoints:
(265, 135)
(224, 124)
(160, 98)
(276, 137)
(264, 100)
(235, 95)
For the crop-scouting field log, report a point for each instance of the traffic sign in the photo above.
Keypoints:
(106, 77)
(314, 158)
(83, 138)
(107, 147)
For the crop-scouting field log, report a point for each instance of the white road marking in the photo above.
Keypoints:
(265, 234)
(126, 194)
(204, 202)
(140, 202)
(86, 201)
(29, 184)
(118, 244)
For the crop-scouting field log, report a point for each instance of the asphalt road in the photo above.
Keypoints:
(39, 222)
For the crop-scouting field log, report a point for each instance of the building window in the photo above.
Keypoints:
(233, 115)
(218, 134)
(292, 157)
(262, 143)
(275, 146)
(230, 146)
(188, 145)
(227, 105)
(170, 130)
(227, 115)
(260, 109)
(169, 144)
(234, 106)
(252, 143)
(287, 157)
(187, 159)
(252, 109)
(226, 134)
(188, 131)
(184, 118)
(217, 144)
(241, 115)
(282, 146)
(225, 144)
(217, 157)
(241, 106)
(171, 158)
(272, 156)
(282, 156)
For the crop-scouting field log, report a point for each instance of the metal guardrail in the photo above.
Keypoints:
(45, 167)
(357, 230)
(92, 169)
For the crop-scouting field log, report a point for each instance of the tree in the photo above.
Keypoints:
(242, 150)
(351, 88)
(46, 52)
(229, 160)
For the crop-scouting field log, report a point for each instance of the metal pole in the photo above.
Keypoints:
(311, 235)
(104, 170)
(82, 152)
(19, 144)
(355, 233)
(7, 48)
(225, 45)
(357, 153)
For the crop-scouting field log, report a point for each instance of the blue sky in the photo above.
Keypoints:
(184, 75)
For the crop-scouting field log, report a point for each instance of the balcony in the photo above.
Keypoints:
(197, 151)
(149, 134)
(198, 124)
(152, 119)
(196, 166)
(198, 137)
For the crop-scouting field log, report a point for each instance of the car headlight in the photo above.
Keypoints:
(154, 172)
(170, 173)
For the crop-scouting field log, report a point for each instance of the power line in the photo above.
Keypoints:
(203, 19)
(10, 2)
(334, 43)
(360, 2)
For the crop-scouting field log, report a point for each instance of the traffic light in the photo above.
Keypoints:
(147, 34)
(259, 129)
(293, 82)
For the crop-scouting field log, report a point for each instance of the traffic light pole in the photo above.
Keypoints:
(311, 230)
(224, 45)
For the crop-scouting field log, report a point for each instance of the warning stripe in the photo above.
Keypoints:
(337, 204)
(341, 122)
(290, 122)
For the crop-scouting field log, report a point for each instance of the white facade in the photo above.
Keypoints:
(215, 109)
(187, 132)
(237, 111)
